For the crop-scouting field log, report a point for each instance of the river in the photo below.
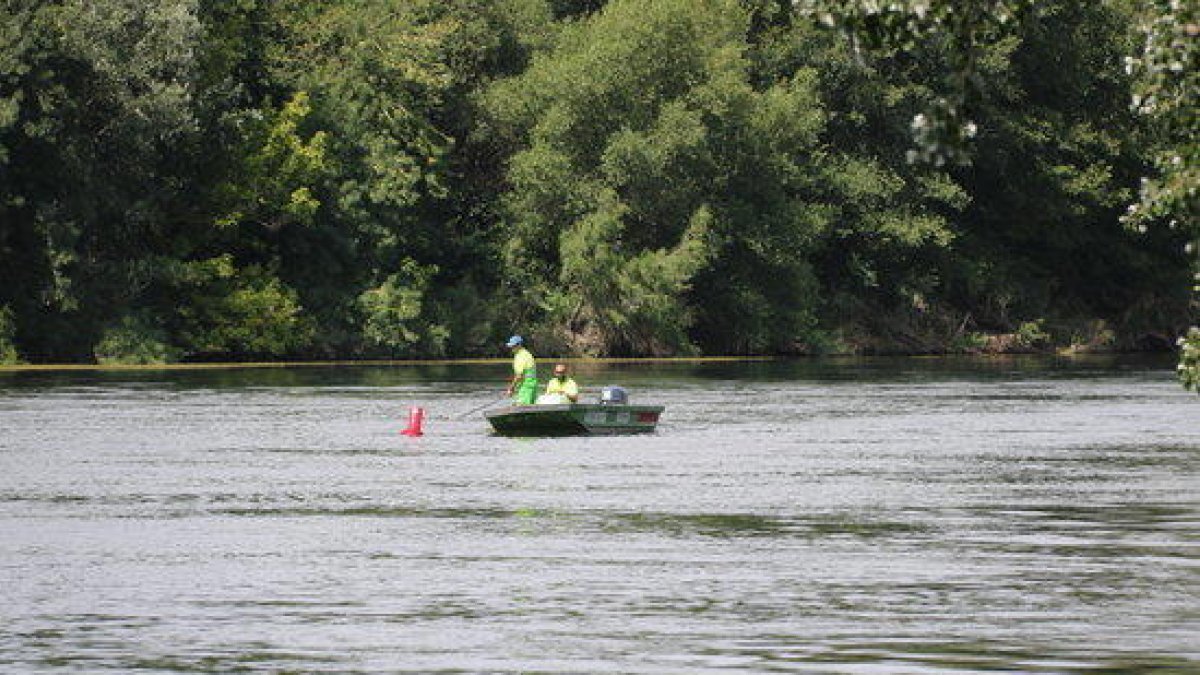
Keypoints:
(828, 516)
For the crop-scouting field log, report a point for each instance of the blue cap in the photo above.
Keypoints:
(514, 341)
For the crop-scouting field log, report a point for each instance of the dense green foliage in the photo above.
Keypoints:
(193, 180)
(1165, 65)
(1167, 90)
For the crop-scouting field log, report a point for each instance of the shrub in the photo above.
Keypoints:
(8, 329)
(1032, 334)
(246, 311)
(135, 340)
(1189, 361)
(393, 314)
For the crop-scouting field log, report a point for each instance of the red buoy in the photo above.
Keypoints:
(415, 417)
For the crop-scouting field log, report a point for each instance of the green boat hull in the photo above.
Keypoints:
(575, 419)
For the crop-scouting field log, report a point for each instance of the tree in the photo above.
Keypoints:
(654, 190)
(381, 77)
(881, 264)
(1054, 163)
(1166, 67)
(943, 130)
(95, 100)
(1167, 72)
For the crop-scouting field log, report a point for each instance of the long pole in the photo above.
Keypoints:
(489, 404)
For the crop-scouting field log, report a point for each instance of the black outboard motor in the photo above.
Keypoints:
(614, 396)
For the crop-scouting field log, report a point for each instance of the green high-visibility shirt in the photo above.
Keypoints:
(565, 386)
(523, 363)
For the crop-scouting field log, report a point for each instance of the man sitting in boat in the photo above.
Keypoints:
(561, 388)
(524, 380)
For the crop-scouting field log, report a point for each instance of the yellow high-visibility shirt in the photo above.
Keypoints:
(566, 387)
(523, 363)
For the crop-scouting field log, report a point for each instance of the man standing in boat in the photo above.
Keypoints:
(562, 384)
(523, 386)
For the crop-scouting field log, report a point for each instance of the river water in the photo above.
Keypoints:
(852, 516)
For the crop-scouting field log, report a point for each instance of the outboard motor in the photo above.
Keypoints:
(614, 396)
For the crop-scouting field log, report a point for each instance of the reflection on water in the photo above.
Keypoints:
(857, 516)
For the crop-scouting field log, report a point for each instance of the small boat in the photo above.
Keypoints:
(612, 415)
(574, 419)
